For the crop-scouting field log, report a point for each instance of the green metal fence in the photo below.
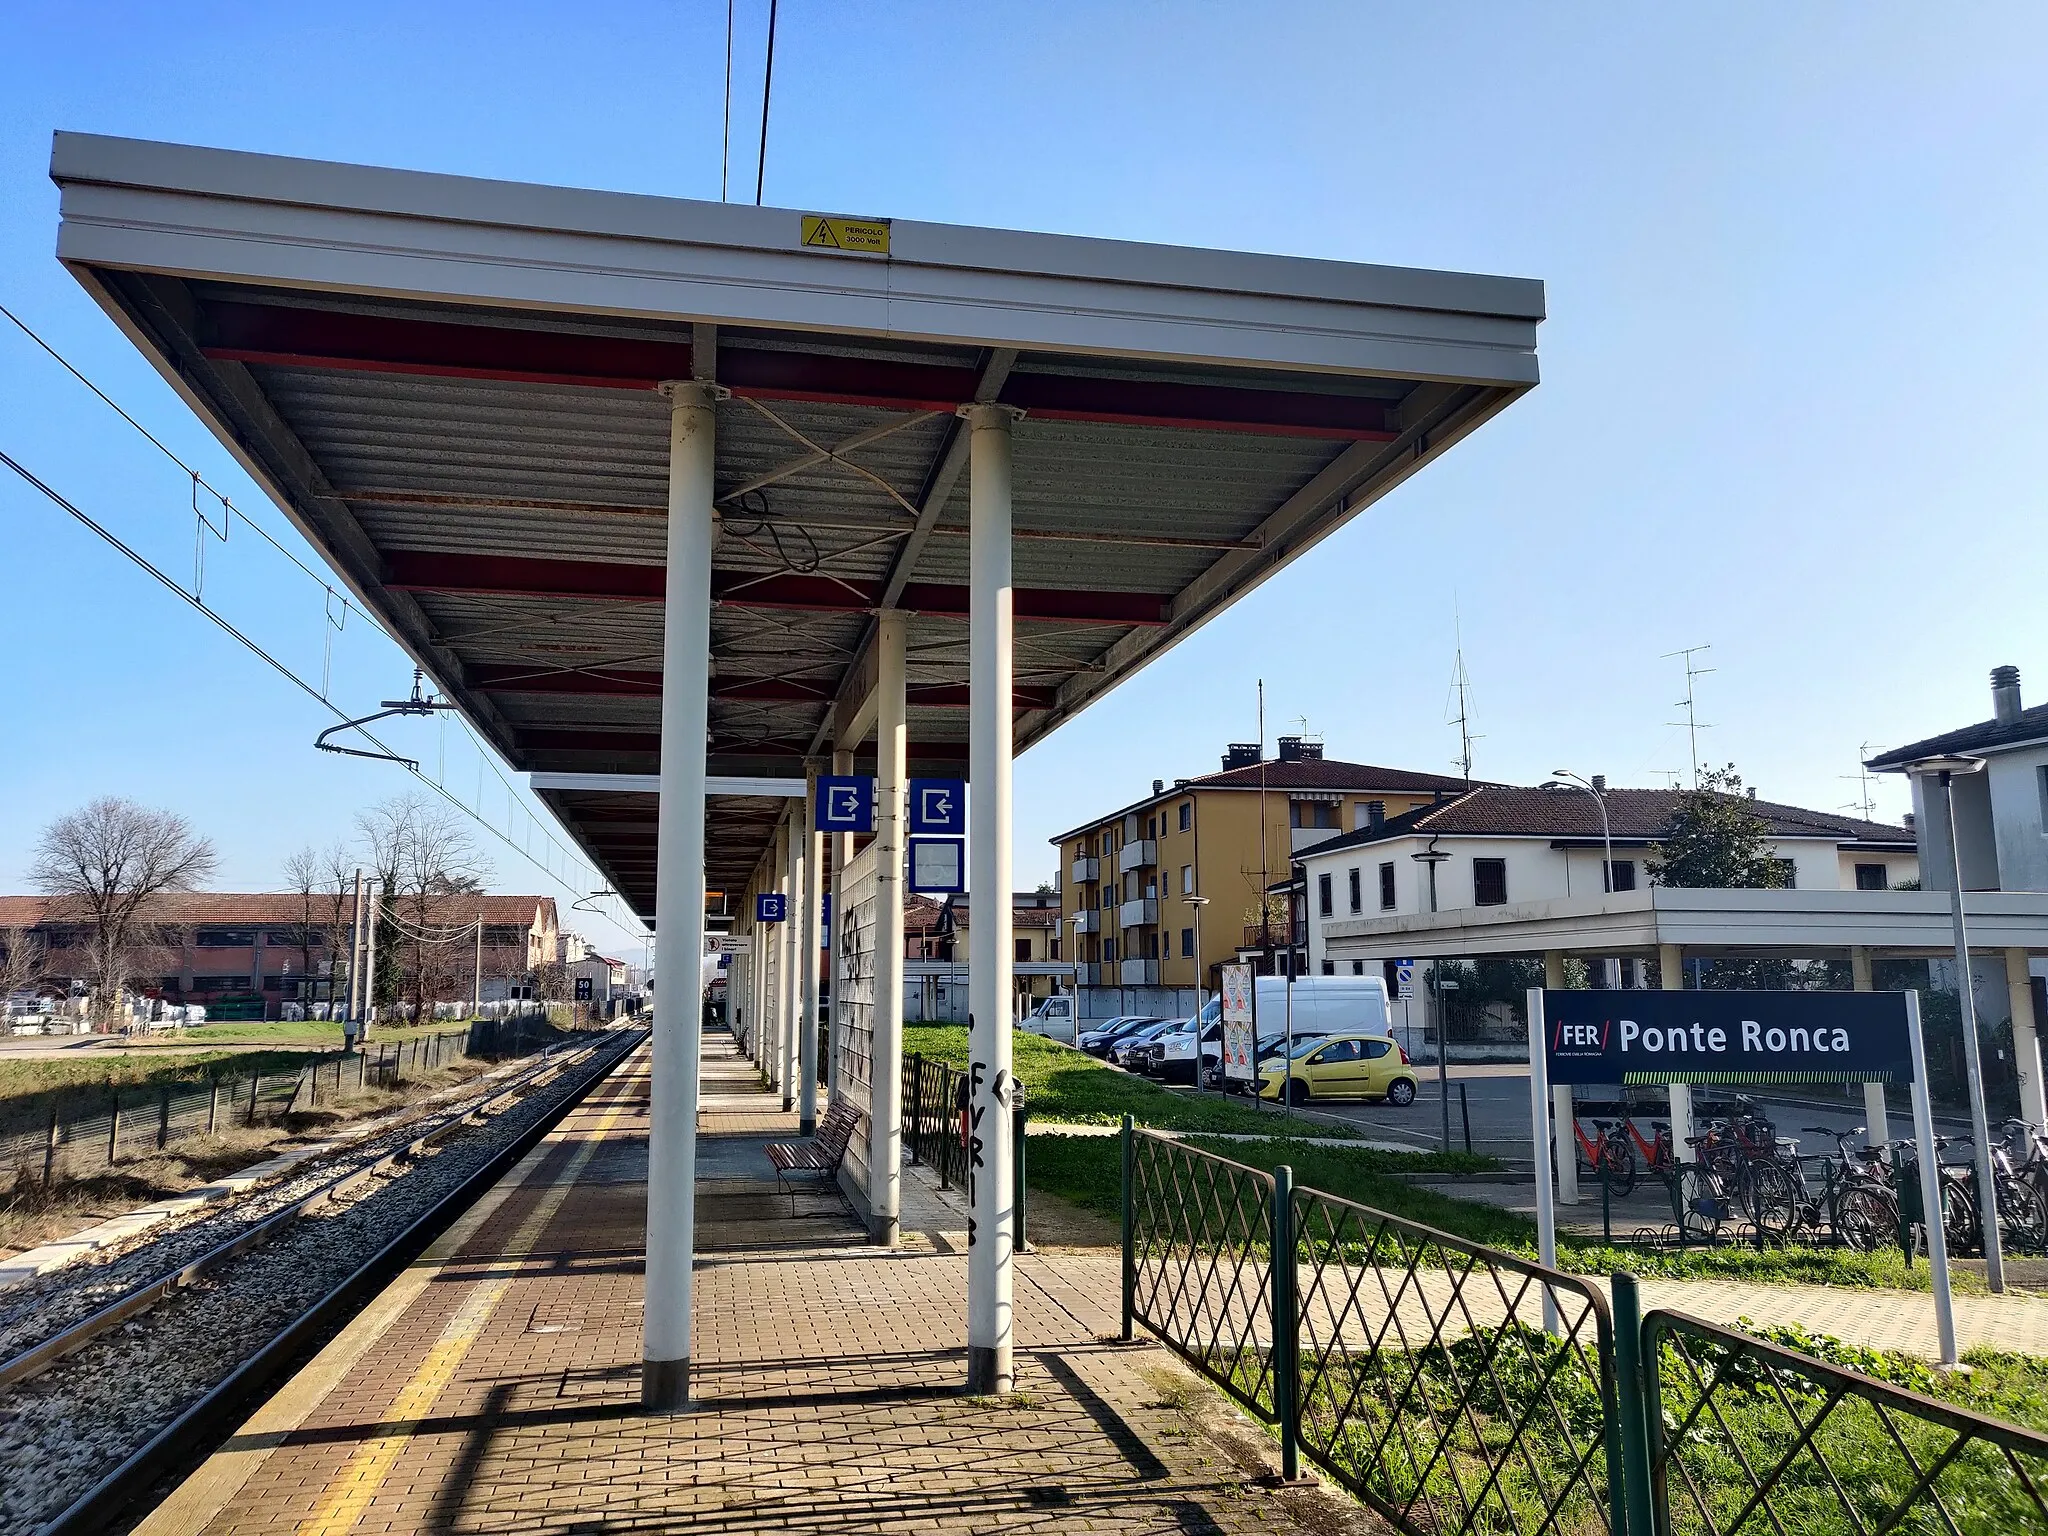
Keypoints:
(1457, 1389)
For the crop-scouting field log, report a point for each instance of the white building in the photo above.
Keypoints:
(1499, 847)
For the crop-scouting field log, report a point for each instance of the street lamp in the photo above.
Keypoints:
(1597, 788)
(1937, 772)
(1201, 993)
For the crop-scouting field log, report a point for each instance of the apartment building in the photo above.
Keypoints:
(1158, 894)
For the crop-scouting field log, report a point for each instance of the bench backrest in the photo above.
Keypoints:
(841, 1119)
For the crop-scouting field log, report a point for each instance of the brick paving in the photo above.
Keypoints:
(500, 1393)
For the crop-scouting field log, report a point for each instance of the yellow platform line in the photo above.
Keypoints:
(350, 1492)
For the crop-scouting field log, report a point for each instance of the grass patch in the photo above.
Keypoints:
(27, 1076)
(1067, 1085)
(318, 1033)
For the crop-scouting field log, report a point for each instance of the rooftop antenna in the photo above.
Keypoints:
(1864, 802)
(1461, 685)
(1692, 719)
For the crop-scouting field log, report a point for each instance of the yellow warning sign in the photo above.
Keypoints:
(870, 237)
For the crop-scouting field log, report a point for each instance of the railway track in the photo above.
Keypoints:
(96, 1408)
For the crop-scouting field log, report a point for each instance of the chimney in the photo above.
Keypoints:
(2005, 694)
(1159, 786)
(1599, 783)
(1912, 824)
(1290, 749)
(1241, 754)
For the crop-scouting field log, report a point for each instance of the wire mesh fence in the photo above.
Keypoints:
(1749, 1437)
(934, 1128)
(74, 1132)
(1457, 1389)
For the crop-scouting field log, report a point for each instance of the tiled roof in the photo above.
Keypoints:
(1635, 814)
(286, 907)
(1310, 774)
(1985, 736)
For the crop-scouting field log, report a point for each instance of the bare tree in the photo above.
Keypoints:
(23, 960)
(107, 868)
(431, 871)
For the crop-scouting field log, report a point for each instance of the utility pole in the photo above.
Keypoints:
(351, 1023)
(370, 888)
(476, 991)
(1692, 723)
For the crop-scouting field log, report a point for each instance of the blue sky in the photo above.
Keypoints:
(1791, 394)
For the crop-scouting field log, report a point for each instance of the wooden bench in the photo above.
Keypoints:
(822, 1154)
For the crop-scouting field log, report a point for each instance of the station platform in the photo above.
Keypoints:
(494, 1387)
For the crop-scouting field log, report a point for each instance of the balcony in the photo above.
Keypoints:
(1299, 838)
(1138, 973)
(1087, 973)
(1136, 914)
(1082, 871)
(1139, 855)
(1088, 920)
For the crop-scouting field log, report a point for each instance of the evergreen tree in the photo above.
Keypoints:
(1714, 840)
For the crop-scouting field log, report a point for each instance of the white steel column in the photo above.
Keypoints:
(885, 1119)
(842, 855)
(778, 939)
(757, 1047)
(679, 901)
(1671, 972)
(2026, 1040)
(792, 950)
(1876, 1127)
(808, 940)
(1563, 1112)
(991, 1226)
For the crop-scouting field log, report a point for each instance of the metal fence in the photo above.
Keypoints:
(934, 1135)
(68, 1133)
(1749, 1437)
(1457, 1389)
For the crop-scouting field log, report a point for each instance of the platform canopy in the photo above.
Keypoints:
(450, 386)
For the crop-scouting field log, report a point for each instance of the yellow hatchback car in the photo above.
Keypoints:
(1350, 1065)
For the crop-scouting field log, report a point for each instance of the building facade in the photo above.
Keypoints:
(252, 953)
(1158, 894)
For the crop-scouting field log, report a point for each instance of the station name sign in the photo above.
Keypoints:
(1726, 1037)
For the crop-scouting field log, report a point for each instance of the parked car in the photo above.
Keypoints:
(1138, 1043)
(1098, 1037)
(1349, 1064)
(1318, 1005)
(1056, 1018)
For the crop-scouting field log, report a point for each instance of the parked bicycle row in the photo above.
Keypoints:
(1744, 1180)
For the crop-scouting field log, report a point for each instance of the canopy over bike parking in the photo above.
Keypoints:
(620, 470)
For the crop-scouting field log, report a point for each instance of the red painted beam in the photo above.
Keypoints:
(504, 677)
(306, 338)
(519, 576)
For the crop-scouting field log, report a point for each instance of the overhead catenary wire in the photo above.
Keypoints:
(767, 90)
(284, 670)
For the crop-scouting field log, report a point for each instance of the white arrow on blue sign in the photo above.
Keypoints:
(844, 803)
(939, 806)
(770, 907)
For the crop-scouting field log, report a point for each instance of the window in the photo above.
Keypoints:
(1358, 967)
(220, 983)
(1055, 944)
(1387, 887)
(1336, 1051)
(1324, 904)
(1109, 951)
(1187, 814)
(1870, 877)
(1357, 895)
(2041, 777)
(1311, 813)
(226, 938)
(291, 936)
(1621, 875)
(1151, 943)
(504, 933)
(1375, 1049)
(1329, 967)
(1187, 879)
(1788, 873)
(1023, 948)
(1187, 943)
(1151, 826)
(1489, 882)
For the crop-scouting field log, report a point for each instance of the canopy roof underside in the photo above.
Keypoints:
(450, 386)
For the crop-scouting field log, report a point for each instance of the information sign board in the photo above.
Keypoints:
(1240, 1029)
(939, 806)
(844, 803)
(1404, 979)
(1726, 1037)
(770, 907)
(938, 865)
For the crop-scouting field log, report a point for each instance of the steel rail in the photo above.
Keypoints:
(140, 1298)
(218, 1408)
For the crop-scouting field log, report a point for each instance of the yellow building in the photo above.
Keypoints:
(1130, 879)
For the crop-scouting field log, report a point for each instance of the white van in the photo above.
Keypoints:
(1321, 1005)
(1056, 1018)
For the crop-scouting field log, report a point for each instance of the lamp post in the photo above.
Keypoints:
(1938, 772)
(1597, 788)
(1201, 992)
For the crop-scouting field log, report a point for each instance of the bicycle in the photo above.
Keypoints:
(1606, 1155)
(1736, 1170)
(1856, 1207)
